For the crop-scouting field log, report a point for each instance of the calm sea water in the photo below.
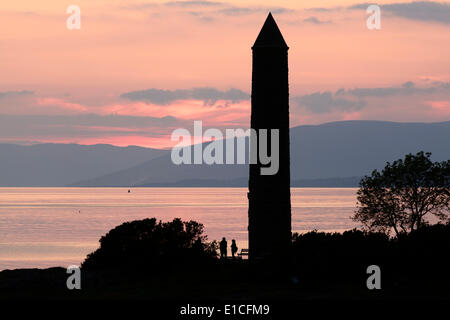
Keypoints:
(45, 227)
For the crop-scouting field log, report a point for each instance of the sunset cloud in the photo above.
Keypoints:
(9, 94)
(321, 102)
(209, 96)
(406, 102)
(237, 11)
(315, 20)
(139, 67)
(83, 126)
(212, 8)
(428, 11)
(185, 4)
(406, 88)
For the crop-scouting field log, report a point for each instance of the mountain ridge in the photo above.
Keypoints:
(337, 149)
(345, 149)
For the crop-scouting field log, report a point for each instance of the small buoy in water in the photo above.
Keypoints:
(129, 191)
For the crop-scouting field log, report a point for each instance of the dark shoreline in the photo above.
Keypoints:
(50, 284)
(324, 267)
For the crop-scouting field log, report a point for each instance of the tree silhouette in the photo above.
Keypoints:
(148, 243)
(404, 194)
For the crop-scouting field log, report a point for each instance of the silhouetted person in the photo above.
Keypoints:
(223, 248)
(234, 247)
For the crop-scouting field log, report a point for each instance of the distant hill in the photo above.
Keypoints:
(332, 154)
(355, 148)
(49, 165)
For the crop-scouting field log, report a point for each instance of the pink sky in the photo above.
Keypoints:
(61, 85)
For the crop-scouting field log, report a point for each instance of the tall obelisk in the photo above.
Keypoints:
(269, 195)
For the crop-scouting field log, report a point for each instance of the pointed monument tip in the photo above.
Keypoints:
(270, 35)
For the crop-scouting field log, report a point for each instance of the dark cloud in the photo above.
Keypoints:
(203, 9)
(407, 88)
(359, 6)
(320, 9)
(238, 11)
(140, 6)
(85, 125)
(228, 8)
(174, 4)
(354, 99)
(424, 11)
(315, 20)
(7, 94)
(156, 96)
(209, 96)
(187, 4)
(201, 16)
(320, 102)
(430, 11)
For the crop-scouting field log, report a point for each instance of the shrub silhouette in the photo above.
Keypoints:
(414, 260)
(326, 258)
(148, 243)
